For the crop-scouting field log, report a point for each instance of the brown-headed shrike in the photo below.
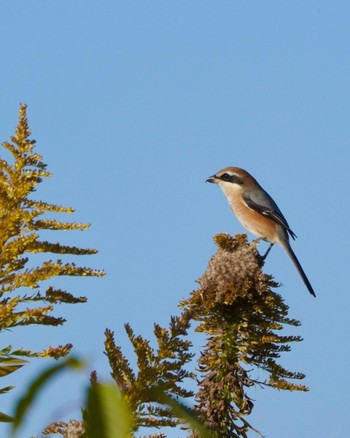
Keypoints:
(257, 211)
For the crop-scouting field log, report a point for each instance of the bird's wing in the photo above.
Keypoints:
(263, 204)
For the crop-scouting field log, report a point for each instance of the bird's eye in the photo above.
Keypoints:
(225, 177)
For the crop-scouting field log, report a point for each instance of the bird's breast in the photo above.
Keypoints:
(253, 221)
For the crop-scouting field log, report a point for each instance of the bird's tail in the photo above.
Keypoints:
(294, 259)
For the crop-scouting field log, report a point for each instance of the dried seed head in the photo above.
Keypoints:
(233, 271)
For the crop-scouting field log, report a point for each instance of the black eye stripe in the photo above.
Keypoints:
(234, 179)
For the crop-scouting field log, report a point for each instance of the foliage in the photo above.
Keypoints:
(107, 413)
(240, 314)
(36, 386)
(22, 221)
(160, 371)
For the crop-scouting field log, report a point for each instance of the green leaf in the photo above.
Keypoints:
(5, 370)
(183, 412)
(13, 360)
(4, 418)
(6, 389)
(27, 400)
(107, 414)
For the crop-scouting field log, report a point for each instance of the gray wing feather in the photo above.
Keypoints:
(262, 203)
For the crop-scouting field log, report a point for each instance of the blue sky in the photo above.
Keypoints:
(133, 105)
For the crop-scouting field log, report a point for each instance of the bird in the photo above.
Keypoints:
(257, 212)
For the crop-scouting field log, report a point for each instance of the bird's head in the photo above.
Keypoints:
(232, 179)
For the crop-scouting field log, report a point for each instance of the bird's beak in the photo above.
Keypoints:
(212, 179)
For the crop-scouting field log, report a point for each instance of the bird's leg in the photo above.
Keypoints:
(256, 241)
(268, 250)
